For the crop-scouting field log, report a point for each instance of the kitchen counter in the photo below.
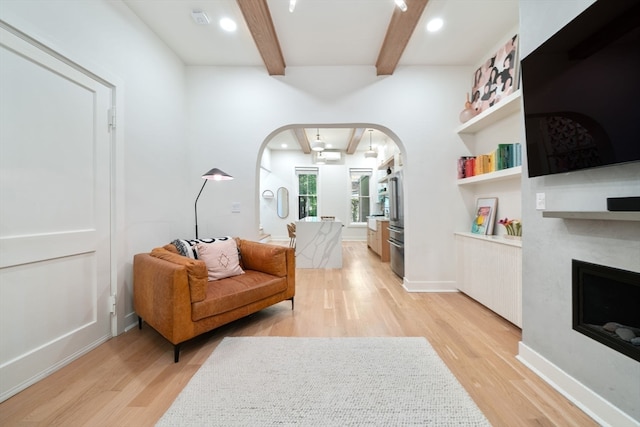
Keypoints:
(318, 243)
(373, 220)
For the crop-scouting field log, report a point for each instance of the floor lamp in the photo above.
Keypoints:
(216, 175)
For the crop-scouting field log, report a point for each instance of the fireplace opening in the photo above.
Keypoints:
(606, 306)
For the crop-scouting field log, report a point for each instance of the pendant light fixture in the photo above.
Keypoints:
(318, 144)
(370, 153)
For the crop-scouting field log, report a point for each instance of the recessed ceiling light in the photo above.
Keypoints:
(292, 5)
(435, 25)
(228, 24)
(284, 145)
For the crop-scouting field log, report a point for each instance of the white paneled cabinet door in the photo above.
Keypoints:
(54, 213)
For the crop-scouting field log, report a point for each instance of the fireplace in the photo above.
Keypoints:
(606, 306)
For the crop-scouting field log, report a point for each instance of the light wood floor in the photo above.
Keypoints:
(131, 380)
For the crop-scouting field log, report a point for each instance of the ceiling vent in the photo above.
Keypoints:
(328, 156)
(199, 17)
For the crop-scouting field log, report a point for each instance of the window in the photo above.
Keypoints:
(307, 192)
(360, 201)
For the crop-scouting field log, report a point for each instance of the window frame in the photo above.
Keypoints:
(307, 171)
(361, 172)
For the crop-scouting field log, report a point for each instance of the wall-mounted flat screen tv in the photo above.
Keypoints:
(581, 92)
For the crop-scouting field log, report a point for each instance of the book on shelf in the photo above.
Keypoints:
(505, 156)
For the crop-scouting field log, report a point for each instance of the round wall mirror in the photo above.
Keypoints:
(283, 202)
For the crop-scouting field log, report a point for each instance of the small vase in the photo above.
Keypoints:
(468, 112)
(466, 115)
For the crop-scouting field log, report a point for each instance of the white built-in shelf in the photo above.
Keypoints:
(500, 175)
(383, 179)
(385, 164)
(601, 215)
(504, 108)
(493, 239)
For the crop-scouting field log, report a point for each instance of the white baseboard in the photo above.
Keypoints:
(601, 410)
(429, 286)
(130, 321)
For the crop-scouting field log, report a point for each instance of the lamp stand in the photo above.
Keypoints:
(196, 205)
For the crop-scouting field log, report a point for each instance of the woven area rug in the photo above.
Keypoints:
(273, 381)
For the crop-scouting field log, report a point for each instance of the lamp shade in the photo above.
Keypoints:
(217, 175)
(317, 146)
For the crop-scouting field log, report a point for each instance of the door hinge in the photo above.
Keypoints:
(112, 117)
(112, 304)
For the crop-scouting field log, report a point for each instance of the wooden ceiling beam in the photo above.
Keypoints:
(258, 18)
(356, 137)
(303, 141)
(398, 34)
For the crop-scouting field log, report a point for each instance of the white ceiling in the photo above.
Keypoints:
(334, 138)
(330, 32)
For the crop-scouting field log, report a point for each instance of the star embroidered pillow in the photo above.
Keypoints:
(221, 259)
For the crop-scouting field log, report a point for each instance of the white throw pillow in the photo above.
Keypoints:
(221, 259)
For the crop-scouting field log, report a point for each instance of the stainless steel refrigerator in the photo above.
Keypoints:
(396, 223)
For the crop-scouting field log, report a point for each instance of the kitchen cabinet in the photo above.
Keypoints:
(377, 238)
(371, 239)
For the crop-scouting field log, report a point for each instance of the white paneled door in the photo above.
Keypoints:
(54, 212)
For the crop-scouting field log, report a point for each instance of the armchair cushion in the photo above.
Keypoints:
(269, 259)
(234, 292)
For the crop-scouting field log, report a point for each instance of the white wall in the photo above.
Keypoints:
(233, 110)
(151, 204)
(230, 112)
(598, 378)
(177, 123)
(334, 191)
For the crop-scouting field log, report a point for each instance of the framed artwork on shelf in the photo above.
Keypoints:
(485, 215)
(496, 78)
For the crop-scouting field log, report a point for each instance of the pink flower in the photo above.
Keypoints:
(513, 226)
